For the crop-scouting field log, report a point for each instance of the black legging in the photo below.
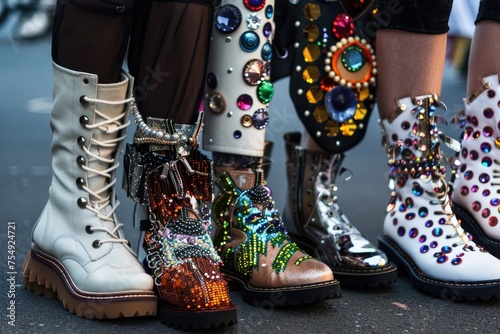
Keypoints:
(167, 54)
(428, 16)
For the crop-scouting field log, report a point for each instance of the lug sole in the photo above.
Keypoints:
(187, 319)
(447, 290)
(44, 275)
(283, 296)
(350, 277)
(470, 225)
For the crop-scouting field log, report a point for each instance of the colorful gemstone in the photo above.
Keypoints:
(476, 206)
(488, 131)
(417, 189)
(437, 231)
(327, 84)
(491, 93)
(237, 134)
(485, 147)
(246, 121)
(488, 113)
(429, 223)
(353, 58)
(495, 201)
(265, 91)
(456, 261)
(267, 30)
(254, 5)
(269, 11)
(341, 103)
(410, 216)
(493, 221)
(311, 53)
(473, 155)
(464, 191)
(216, 102)
(474, 189)
(468, 175)
(486, 161)
(249, 41)
(311, 74)
(446, 249)
(254, 71)
(244, 102)
(484, 178)
(267, 52)
(422, 238)
(343, 26)
(312, 11)
(228, 18)
(442, 259)
(433, 244)
(314, 94)
(401, 231)
(260, 118)
(424, 249)
(423, 212)
(413, 233)
(485, 213)
(311, 32)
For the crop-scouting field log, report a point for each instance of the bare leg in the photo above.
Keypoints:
(484, 52)
(409, 64)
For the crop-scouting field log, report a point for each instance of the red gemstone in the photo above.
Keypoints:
(343, 26)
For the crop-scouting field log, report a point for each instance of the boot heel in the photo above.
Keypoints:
(33, 284)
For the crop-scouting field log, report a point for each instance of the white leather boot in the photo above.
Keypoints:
(421, 233)
(79, 253)
(476, 193)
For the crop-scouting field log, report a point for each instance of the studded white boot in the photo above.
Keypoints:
(421, 233)
(79, 253)
(476, 193)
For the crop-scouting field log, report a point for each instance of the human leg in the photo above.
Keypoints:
(165, 172)
(79, 253)
(421, 232)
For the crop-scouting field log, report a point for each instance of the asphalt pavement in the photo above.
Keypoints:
(25, 100)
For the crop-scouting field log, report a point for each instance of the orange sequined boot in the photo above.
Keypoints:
(166, 172)
(259, 257)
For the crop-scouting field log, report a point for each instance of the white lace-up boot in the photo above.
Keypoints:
(476, 193)
(421, 233)
(79, 253)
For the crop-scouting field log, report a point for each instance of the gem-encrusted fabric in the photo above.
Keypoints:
(336, 44)
(262, 226)
(420, 224)
(476, 194)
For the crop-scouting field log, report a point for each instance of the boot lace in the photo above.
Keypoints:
(98, 202)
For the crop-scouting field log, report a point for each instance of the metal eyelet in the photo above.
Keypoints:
(80, 182)
(80, 160)
(82, 202)
(81, 140)
(88, 229)
(84, 120)
(96, 244)
(83, 102)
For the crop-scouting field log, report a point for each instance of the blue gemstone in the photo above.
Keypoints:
(437, 232)
(341, 104)
(410, 216)
(442, 259)
(428, 223)
(424, 249)
(433, 244)
(422, 212)
(413, 233)
(484, 178)
(228, 18)
(267, 29)
(486, 162)
(249, 41)
(269, 11)
(456, 261)
(417, 190)
(401, 231)
(494, 201)
(267, 52)
(353, 58)
(237, 134)
(485, 147)
(446, 249)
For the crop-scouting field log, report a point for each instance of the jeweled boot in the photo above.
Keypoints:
(258, 255)
(476, 193)
(177, 186)
(79, 253)
(316, 223)
(421, 233)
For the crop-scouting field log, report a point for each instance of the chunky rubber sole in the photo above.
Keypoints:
(447, 290)
(283, 296)
(350, 277)
(470, 225)
(45, 275)
(196, 319)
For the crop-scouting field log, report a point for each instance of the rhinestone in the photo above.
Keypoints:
(422, 238)
(433, 244)
(405, 125)
(311, 32)
(494, 201)
(429, 223)
(266, 52)
(456, 261)
(249, 41)
(464, 191)
(312, 11)
(320, 114)
(216, 102)
(497, 142)
(353, 58)
(485, 213)
(314, 94)
(423, 212)
(327, 84)
(267, 30)
(269, 11)
(473, 155)
(410, 216)
(491, 93)
(468, 175)
(417, 189)
(395, 221)
(265, 92)
(476, 206)
(437, 232)
(413, 233)
(311, 53)
(244, 102)
(424, 249)
(237, 134)
(493, 221)
(401, 231)
(254, 71)
(343, 26)
(310, 74)
(446, 249)
(488, 131)
(254, 5)
(260, 118)
(484, 178)
(402, 208)
(474, 189)
(228, 18)
(341, 104)
(485, 147)
(442, 259)
(442, 221)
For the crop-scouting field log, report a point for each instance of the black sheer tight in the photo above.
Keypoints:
(92, 36)
(168, 55)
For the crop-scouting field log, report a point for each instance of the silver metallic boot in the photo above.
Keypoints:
(421, 233)
(79, 253)
(316, 223)
(476, 193)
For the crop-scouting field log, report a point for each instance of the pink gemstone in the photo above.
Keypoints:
(244, 102)
(343, 26)
(485, 213)
(493, 221)
(476, 206)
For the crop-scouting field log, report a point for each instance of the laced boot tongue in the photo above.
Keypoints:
(104, 139)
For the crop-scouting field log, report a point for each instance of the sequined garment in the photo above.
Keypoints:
(256, 249)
